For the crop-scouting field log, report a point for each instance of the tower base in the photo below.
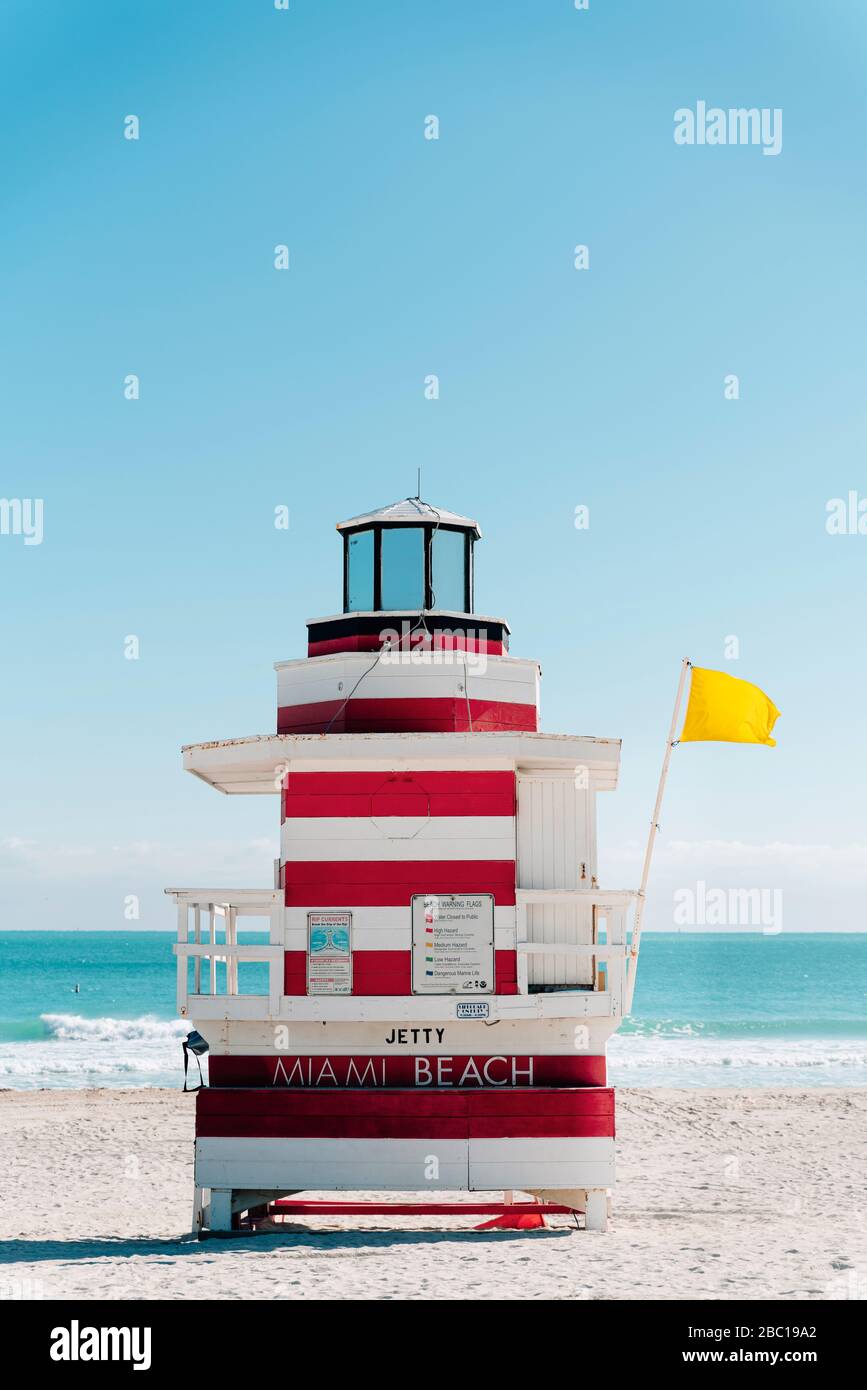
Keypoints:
(255, 1145)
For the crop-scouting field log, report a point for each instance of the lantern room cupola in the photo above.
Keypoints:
(409, 556)
(408, 569)
(407, 654)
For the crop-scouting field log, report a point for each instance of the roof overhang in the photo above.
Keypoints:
(410, 511)
(257, 765)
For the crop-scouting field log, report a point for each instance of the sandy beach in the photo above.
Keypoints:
(721, 1195)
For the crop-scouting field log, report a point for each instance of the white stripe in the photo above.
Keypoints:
(398, 837)
(404, 1164)
(375, 919)
(536, 1163)
(386, 929)
(386, 938)
(332, 1164)
(554, 1037)
(544, 1150)
(340, 665)
(326, 678)
(396, 851)
(390, 828)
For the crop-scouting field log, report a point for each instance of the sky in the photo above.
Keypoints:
(560, 387)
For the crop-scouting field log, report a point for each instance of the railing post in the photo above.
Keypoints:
(276, 919)
(212, 921)
(277, 925)
(522, 966)
(197, 964)
(522, 972)
(231, 958)
(183, 965)
(615, 934)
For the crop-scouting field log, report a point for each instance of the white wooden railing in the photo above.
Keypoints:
(204, 914)
(207, 911)
(613, 964)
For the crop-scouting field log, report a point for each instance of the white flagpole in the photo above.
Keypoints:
(651, 839)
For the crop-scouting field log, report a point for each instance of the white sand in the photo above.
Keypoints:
(724, 1194)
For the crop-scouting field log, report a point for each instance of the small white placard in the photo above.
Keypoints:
(453, 943)
(329, 953)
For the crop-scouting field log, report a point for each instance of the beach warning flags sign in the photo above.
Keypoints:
(723, 709)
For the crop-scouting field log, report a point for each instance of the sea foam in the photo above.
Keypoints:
(74, 1028)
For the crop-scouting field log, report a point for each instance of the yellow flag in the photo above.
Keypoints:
(723, 709)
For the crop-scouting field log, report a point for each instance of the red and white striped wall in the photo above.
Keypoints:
(424, 692)
(405, 1140)
(369, 840)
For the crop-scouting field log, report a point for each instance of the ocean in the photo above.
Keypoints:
(711, 1009)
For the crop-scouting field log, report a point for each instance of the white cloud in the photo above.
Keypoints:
(179, 864)
(736, 854)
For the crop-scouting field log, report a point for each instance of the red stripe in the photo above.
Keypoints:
(381, 972)
(401, 1127)
(443, 1102)
(400, 1070)
(287, 1206)
(399, 794)
(506, 972)
(372, 641)
(388, 972)
(447, 714)
(327, 883)
(587, 1113)
(295, 972)
(401, 803)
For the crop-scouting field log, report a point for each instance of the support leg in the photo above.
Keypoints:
(596, 1210)
(221, 1209)
(198, 1207)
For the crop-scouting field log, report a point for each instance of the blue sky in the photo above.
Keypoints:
(305, 388)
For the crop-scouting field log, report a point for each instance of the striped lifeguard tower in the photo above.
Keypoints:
(442, 971)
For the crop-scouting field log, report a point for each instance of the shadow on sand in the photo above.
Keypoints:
(294, 1237)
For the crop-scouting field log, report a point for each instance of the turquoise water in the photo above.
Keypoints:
(710, 1009)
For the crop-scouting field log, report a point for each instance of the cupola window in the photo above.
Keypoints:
(448, 577)
(359, 563)
(402, 568)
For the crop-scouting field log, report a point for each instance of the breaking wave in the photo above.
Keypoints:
(148, 1028)
(753, 1061)
(67, 1050)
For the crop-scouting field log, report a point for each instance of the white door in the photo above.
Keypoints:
(554, 851)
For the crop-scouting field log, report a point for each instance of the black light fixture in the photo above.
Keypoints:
(195, 1043)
